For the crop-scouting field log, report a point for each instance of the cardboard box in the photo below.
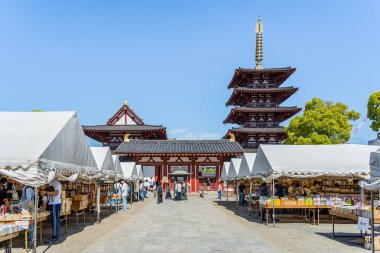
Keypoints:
(79, 205)
(80, 197)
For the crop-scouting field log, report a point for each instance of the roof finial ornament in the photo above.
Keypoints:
(259, 44)
(125, 102)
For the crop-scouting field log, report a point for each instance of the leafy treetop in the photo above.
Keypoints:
(373, 112)
(323, 122)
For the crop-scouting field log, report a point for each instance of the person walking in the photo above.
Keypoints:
(220, 191)
(179, 190)
(241, 194)
(141, 191)
(124, 194)
(54, 205)
(168, 194)
(159, 193)
(27, 199)
(208, 183)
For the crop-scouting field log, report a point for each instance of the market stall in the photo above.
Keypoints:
(39, 148)
(315, 174)
(233, 172)
(105, 164)
(130, 173)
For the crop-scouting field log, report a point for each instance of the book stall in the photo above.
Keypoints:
(37, 163)
(312, 177)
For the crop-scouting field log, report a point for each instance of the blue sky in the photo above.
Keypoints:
(173, 60)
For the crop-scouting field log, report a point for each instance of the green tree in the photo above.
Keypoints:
(373, 112)
(323, 122)
(37, 110)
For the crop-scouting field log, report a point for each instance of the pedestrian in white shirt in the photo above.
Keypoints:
(179, 190)
(124, 194)
(54, 205)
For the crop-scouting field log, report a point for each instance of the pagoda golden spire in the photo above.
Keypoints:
(259, 44)
(125, 102)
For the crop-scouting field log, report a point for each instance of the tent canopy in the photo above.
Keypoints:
(103, 159)
(140, 173)
(224, 174)
(303, 161)
(234, 168)
(129, 170)
(246, 165)
(117, 166)
(374, 162)
(37, 145)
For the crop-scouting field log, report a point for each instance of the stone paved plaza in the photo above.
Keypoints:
(198, 225)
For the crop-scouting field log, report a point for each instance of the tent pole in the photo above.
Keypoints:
(250, 194)
(237, 194)
(273, 212)
(372, 223)
(227, 190)
(35, 219)
(98, 202)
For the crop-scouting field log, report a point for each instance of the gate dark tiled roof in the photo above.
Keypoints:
(179, 147)
(122, 128)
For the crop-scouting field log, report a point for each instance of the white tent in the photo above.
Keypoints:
(129, 170)
(302, 161)
(375, 165)
(234, 168)
(104, 161)
(39, 146)
(140, 173)
(117, 166)
(246, 165)
(226, 166)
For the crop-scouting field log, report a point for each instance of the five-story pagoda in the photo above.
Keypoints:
(256, 98)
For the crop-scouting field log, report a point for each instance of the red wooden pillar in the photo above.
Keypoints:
(156, 176)
(194, 175)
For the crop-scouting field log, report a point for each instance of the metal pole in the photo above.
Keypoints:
(227, 190)
(273, 212)
(249, 197)
(35, 219)
(372, 223)
(98, 202)
(237, 194)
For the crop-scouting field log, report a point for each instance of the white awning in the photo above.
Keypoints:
(36, 145)
(246, 165)
(140, 173)
(117, 166)
(226, 166)
(104, 161)
(306, 161)
(129, 170)
(374, 162)
(234, 168)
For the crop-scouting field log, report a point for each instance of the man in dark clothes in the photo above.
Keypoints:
(241, 194)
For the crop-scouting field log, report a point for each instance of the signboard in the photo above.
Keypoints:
(207, 171)
(363, 223)
(179, 168)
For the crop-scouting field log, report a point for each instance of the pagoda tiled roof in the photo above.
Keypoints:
(258, 130)
(179, 147)
(280, 74)
(286, 112)
(286, 91)
(123, 128)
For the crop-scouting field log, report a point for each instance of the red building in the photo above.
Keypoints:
(124, 125)
(197, 159)
(257, 98)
